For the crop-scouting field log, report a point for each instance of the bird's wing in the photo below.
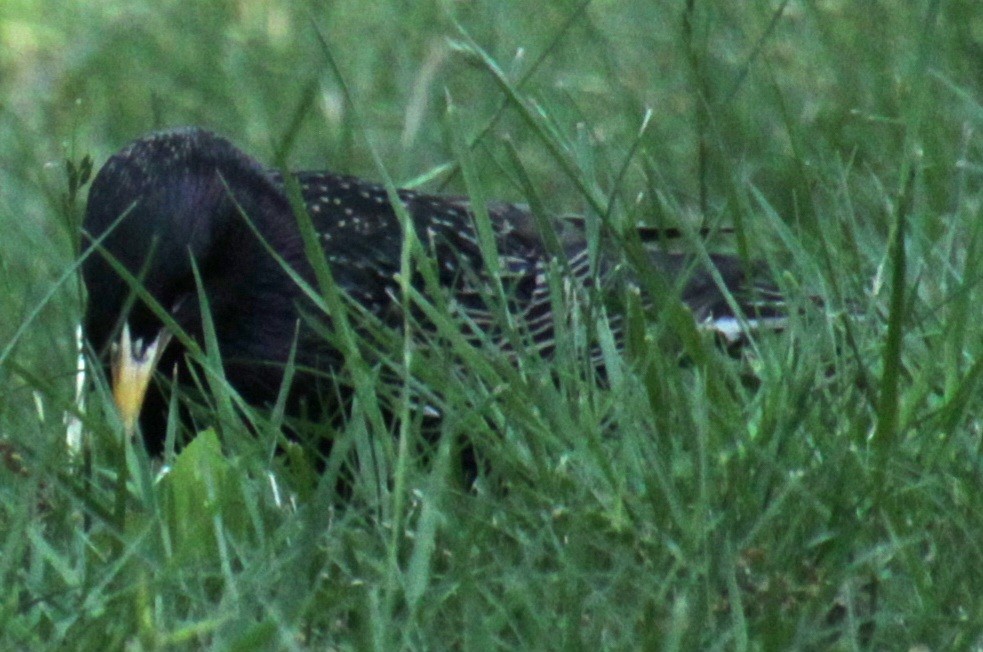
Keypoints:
(362, 239)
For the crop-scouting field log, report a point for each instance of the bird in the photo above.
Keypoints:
(184, 212)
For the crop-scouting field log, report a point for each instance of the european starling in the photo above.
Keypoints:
(186, 202)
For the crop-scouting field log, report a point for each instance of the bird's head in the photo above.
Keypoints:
(165, 208)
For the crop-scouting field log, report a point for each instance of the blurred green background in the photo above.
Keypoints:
(819, 113)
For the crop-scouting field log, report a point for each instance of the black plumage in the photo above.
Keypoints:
(176, 201)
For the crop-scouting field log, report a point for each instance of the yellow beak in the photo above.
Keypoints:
(132, 365)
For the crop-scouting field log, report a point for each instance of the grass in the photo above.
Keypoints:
(818, 491)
